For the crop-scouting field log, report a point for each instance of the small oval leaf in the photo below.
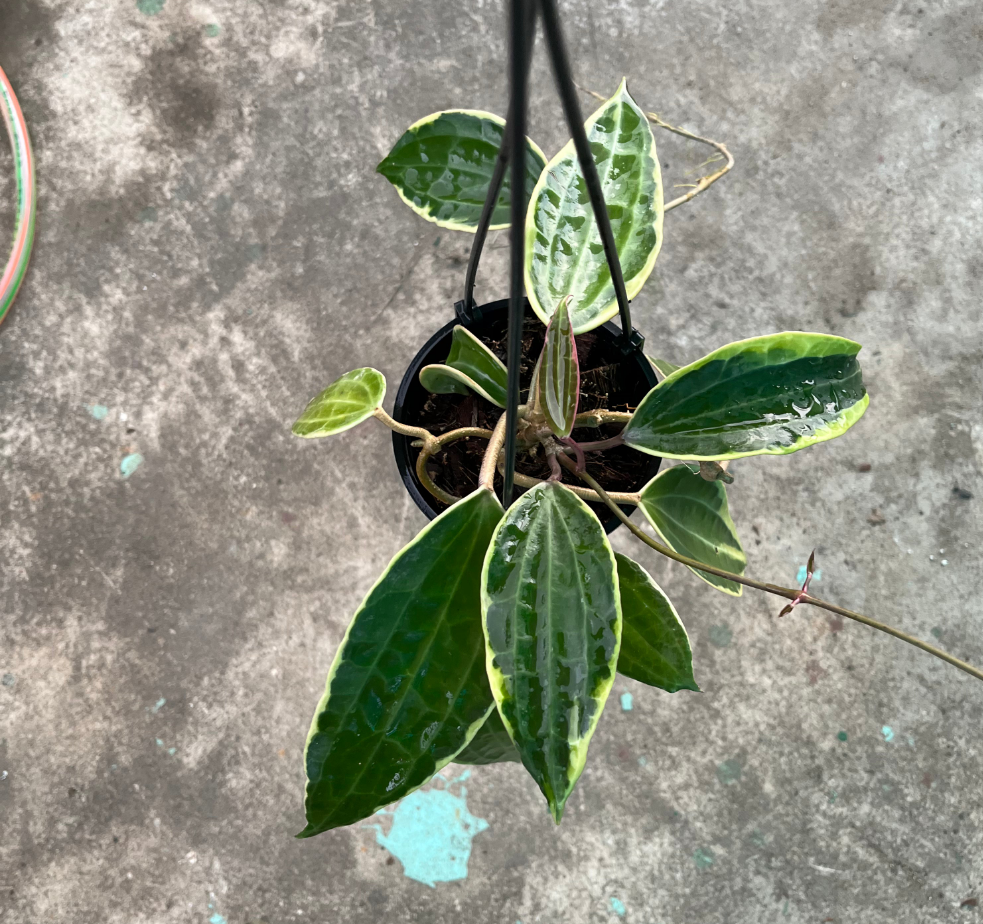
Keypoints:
(442, 167)
(767, 395)
(491, 745)
(559, 378)
(655, 648)
(407, 689)
(692, 517)
(470, 356)
(343, 404)
(552, 620)
(563, 250)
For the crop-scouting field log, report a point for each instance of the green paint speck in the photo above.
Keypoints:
(842, 736)
(758, 839)
(212, 30)
(150, 7)
(703, 857)
(832, 796)
(626, 702)
(130, 464)
(888, 733)
(618, 907)
(729, 772)
(98, 411)
(720, 636)
(937, 632)
(8, 680)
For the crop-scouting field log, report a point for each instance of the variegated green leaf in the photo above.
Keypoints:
(491, 744)
(692, 517)
(443, 164)
(552, 619)
(559, 376)
(662, 367)
(343, 404)
(772, 395)
(564, 254)
(445, 380)
(470, 356)
(407, 689)
(655, 648)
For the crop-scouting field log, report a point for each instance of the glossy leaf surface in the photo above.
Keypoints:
(443, 165)
(692, 517)
(564, 254)
(407, 689)
(343, 404)
(655, 648)
(767, 395)
(559, 375)
(491, 744)
(552, 618)
(470, 356)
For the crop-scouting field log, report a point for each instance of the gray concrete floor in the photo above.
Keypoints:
(214, 247)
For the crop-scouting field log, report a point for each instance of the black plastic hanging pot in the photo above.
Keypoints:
(635, 378)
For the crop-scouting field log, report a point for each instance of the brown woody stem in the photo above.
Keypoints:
(787, 592)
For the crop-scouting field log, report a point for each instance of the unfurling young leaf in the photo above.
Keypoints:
(470, 366)
(552, 619)
(564, 254)
(442, 168)
(343, 404)
(767, 395)
(559, 374)
(655, 648)
(491, 744)
(407, 690)
(691, 516)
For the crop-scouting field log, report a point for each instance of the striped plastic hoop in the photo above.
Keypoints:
(16, 267)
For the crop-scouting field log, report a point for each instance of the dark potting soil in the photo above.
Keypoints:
(602, 385)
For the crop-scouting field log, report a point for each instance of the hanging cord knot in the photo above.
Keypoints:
(805, 587)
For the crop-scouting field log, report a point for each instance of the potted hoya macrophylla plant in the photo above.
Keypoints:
(496, 634)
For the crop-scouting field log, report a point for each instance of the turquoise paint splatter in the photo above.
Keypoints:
(130, 464)
(156, 707)
(8, 680)
(626, 702)
(888, 733)
(720, 636)
(842, 736)
(150, 7)
(217, 919)
(642, 761)
(800, 576)
(703, 857)
(212, 30)
(618, 907)
(729, 772)
(431, 834)
(99, 411)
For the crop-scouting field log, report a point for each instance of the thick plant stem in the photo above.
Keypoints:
(619, 497)
(429, 447)
(596, 418)
(787, 592)
(704, 181)
(486, 477)
(418, 432)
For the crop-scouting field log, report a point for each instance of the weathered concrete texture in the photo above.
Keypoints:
(214, 246)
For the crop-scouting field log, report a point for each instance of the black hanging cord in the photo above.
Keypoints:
(494, 188)
(575, 121)
(521, 36)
